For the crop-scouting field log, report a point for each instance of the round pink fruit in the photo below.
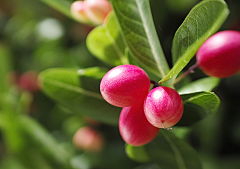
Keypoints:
(219, 56)
(134, 127)
(163, 107)
(125, 85)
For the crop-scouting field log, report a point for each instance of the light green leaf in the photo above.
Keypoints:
(137, 153)
(106, 43)
(79, 91)
(201, 22)
(198, 106)
(136, 23)
(205, 84)
(171, 152)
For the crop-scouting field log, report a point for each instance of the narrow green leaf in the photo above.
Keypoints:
(78, 92)
(205, 84)
(171, 152)
(201, 22)
(198, 106)
(62, 6)
(136, 23)
(106, 43)
(44, 140)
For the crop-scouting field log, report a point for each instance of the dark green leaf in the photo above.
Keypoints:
(79, 91)
(202, 21)
(148, 166)
(106, 43)
(171, 152)
(136, 23)
(205, 84)
(197, 106)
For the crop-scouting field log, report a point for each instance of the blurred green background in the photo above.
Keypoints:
(35, 132)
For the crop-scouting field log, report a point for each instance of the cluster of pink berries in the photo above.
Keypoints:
(144, 112)
(91, 12)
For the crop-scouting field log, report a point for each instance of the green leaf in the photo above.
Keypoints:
(106, 43)
(201, 22)
(148, 166)
(62, 6)
(137, 153)
(171, 152)
(44, 141)
(79, 93)
(205, 84)
(198, 106)
(136, 23)
(5, 66)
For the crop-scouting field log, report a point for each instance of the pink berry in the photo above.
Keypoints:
(88, 139)
(219, 56)
(134, 127)
(163, 107)
(125, 85)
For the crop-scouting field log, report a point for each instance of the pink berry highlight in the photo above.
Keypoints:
(163, 107)
(134, 127)
(219, 56)
(125, 85)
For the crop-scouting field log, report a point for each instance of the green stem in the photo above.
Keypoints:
(190, 70)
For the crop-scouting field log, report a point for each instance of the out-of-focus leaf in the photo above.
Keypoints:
(197, 106)
(79, 93)
(148, 166)
(136, 23)
(201, 22)
(62, 6)
(137, 153)
(205, 84)
(45, 142)
(106, 42)
(5, 66)
(168, 151)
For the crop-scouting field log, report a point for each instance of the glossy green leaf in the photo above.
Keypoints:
(106, 43)
(78, 92)
(201, 22)
(198, 106)
(62, 6)
(168, 151)
(136, 23)
(205, 84)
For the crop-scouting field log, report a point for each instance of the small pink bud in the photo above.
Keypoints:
(97, 10)
(28, 81)
(88, 139)
(78, 13)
